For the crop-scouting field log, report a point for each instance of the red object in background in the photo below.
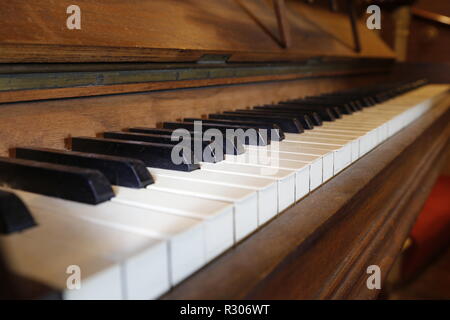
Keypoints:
(431, 232)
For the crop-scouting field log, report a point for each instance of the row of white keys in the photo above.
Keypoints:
(188, 232)
(244, 200)
(342, 148)
(365, 139)
(113, 263)
(307, 167)
(351, 137)
(356, 135)
(227, 213)
(273, 156)
(283, 178)
(269, 166)
(364, 130)
(372, 133)
(130, 210)
(385, 121)
(291, 160)
(175, 196)
(376, 124)
(265, 189)
(296, 172)
(346, 136)
(291, 179)
(321, 156)
(187, 249)
(216, 216)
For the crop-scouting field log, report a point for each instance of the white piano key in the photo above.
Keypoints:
(315, 168)
(244, 201)
(387, 119)
(342, 148)
(25, 253)
(315, 164)
(367, 141)
(341, 155)
(374, 135)
(354, 139)
(217, 215)
(186, 236)
(316, 174)
(267, 189)
(300, 168)
(386, 125)
(326, 155)
(115, 264)
(103, 286)
(284, 178)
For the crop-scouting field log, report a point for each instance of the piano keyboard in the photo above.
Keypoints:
(137, 224)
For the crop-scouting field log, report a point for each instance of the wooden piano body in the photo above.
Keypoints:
(153, 61)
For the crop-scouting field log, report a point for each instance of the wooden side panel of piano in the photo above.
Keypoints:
(318, 248)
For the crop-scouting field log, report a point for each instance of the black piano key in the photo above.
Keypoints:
(363, 97)
(355, 106)
(332, 108)
(346, 105)
(255, 136)
(156, 155)
(363, 101)
(334, 98)
(322, 110)
(325, 113)
(276, 134)
(252, 136)
(14, 215)
(313, 116)
(160, 131)
(54, 180)
(206, 148)
(300, 103)
(372, 100)
(290, 125)
(304, 119)
(119, 171)
(230, 146)
(340, 107)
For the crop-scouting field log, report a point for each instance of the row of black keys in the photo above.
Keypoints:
(86, 173)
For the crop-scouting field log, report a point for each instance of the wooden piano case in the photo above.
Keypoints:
(139, 63)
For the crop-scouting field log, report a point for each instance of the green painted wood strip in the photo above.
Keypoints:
(37, 79)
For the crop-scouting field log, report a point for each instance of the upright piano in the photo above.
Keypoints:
(95, 96)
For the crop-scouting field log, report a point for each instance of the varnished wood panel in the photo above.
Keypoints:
(47, 123)
(171, 30)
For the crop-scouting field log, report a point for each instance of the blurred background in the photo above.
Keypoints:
(419, 32)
